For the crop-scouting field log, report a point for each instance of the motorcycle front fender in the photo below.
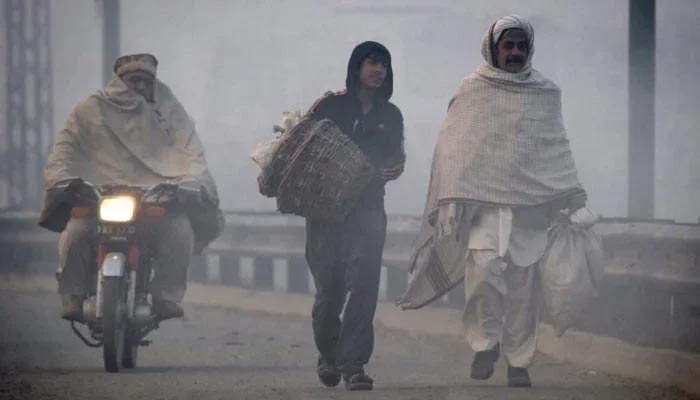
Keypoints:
(114, 265)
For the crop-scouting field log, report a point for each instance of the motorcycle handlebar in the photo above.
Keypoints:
(163, 192)
(172, 191)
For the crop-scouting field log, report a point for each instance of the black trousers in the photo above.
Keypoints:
(345, 260)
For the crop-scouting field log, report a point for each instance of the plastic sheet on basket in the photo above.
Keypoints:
(265, 152)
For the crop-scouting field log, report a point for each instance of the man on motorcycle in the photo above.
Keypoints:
(133, 132)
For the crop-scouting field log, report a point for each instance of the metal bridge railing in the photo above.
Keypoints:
(650, 295)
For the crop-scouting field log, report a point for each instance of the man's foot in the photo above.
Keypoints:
(518, 377)
(72, 308)
(164, 309)
(328, 373)
(358, 380)
(482, 366)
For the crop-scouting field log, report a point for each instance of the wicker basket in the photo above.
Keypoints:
(324, 176)
(270, 177)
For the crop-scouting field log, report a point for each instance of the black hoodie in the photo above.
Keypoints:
(379, 133)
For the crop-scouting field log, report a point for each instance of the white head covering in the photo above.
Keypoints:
(512, 22)
(494, 34)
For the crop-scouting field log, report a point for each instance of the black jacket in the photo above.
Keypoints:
(379, 133)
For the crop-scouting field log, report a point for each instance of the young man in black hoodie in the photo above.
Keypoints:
(346, 257)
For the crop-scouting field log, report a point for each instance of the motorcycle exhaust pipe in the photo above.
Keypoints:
(90, 309)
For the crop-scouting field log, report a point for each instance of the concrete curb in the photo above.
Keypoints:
(612, 356)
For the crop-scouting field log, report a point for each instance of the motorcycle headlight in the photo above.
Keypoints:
(117, 209)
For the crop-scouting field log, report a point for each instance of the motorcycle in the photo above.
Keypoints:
(117, 312)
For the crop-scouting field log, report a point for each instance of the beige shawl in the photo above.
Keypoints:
(502, 143)
(115, 136)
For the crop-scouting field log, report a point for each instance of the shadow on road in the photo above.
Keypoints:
(174, 369)
(156, 369)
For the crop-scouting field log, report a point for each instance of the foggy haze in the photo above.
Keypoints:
(237, 65)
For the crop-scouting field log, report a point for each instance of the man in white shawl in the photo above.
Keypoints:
(134, 132)
(502, 170)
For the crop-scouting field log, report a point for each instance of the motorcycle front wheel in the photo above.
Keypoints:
(114, 323)
(131, 350)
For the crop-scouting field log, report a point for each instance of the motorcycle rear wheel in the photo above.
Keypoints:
(114, 323)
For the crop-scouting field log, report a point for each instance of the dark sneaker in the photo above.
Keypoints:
(164, 309)
(328, 373)
(482, 366)
(518, 377)
(72, 308)
(358, 380)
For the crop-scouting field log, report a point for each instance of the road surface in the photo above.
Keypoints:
(218, 353)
